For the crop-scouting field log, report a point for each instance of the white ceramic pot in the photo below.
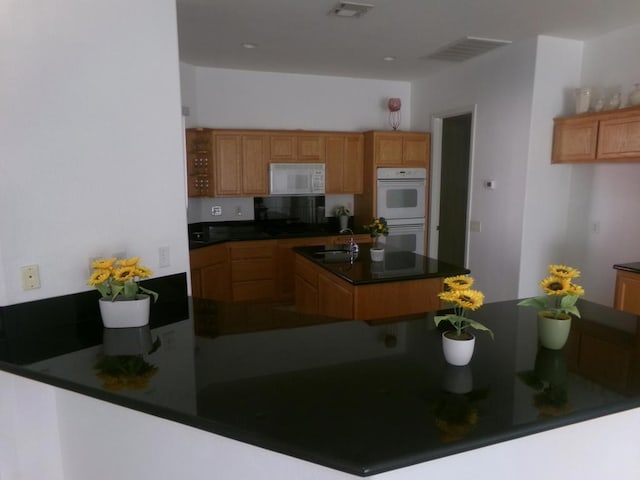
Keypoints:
(377, 254)
(123, 313)
(344, 221)
(458, 352)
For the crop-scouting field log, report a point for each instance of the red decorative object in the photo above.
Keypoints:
(394, 105)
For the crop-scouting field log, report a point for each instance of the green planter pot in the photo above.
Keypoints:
(553, 332)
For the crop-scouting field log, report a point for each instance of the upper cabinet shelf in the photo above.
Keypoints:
(603, 137)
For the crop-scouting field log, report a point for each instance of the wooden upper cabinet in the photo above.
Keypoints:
(344, 163)
(283, 147)
(228, 151)
(292, 147)
(611, 136)
(311, 148)
(255, 164)
(619, 139)
(241, 164)
(410, 149)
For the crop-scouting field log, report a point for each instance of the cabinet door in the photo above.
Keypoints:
(619, 139)
(574, 140)
(627, 296)
(335, 299)
(416, 149)
(215, 282)
(286, 263)
(227, 164)
(388, 149)
(311, 148)
(254, 165)
(344, 164)
(353, 168)
(283, 148)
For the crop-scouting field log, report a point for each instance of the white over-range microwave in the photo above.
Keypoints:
(296, 179)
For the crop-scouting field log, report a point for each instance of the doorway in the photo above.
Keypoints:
(451, 193)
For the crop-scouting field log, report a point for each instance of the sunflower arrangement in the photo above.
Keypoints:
(561, 293)
(113, 278)
(459, 294)
(377, 227)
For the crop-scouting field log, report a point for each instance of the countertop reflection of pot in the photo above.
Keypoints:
(127, 341)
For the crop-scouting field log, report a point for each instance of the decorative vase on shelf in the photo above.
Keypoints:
(458, 351)
(583, 100)
(123, 313)
(553, 332)
(614, 101)
(634, 96)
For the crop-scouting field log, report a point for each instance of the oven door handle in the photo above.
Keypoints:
(400, 182)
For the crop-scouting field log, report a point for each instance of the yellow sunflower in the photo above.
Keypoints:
(459, 282)
(129, 262)
(467, 299)
(575, 290)
(98, 277)
(563, 271)
(142, 272)
(103, 264)
(555, 285)
(125, 273)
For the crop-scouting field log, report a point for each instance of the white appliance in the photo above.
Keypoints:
(296, 178)
(401, 201)
(405, 235)
(401, 193)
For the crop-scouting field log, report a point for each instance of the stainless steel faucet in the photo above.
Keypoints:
(353, 246)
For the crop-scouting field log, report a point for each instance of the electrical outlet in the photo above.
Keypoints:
(164, 258)
(216, 210)
(30, 277)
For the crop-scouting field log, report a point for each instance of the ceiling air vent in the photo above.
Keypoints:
(350, 9)
(465, 48)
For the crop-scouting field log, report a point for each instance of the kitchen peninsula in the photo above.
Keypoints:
(336, 398)
(331, 282)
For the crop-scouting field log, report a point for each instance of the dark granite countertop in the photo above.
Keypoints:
(633, 267)
(212, 233)
(360, 397)
(396, 266)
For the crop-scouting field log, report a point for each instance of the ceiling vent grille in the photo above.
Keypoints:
(465, 48)
(350, 9)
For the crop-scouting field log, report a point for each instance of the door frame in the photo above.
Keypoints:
(436, 168)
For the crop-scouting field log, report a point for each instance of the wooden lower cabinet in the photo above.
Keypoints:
(210, 275)
(252, 270)
(627, 296)
(321, 292)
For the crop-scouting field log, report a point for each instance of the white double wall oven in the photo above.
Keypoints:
(401, 201)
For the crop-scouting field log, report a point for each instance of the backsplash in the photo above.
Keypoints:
(241, 208)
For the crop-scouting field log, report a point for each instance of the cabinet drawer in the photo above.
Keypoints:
(265, 249)
(201, 257)
(252, 270)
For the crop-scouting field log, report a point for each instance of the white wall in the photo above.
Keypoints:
(606, 196)
(500, 84)
(544, 233)
(90, 140)
(223, 98)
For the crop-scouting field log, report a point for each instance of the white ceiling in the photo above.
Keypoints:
(297, 36)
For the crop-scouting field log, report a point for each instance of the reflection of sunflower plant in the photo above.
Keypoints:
(113, 278)
(124, 372)
(561, 293)
(377, 227)
(459, 294)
